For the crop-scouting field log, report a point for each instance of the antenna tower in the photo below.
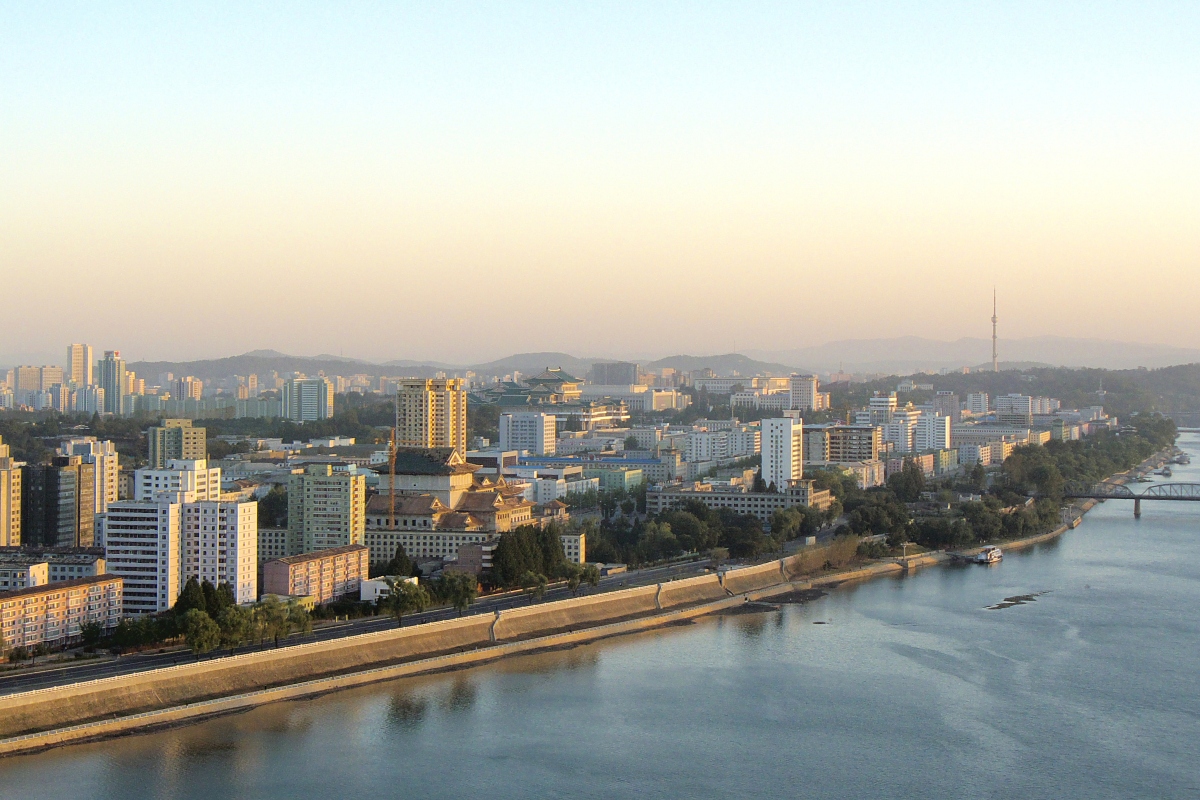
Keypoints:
(995, 360)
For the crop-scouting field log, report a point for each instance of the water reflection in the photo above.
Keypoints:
(407, 709)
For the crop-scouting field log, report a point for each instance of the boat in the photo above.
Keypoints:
(989, 555)
(1166, 473)
(1183, 458)
(1144, 479)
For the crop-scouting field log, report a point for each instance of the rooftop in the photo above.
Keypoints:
(319, 554)
(33, 591)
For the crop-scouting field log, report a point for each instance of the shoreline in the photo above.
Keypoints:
(187, 713)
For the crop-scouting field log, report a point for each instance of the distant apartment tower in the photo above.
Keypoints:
(143, 544)
(58, 503)
(79, 365)
(31, 382)
(181, 481)
(855, 443)
(977, 403)
(189, 388)
(1014, 409)
(616, 373)
(528, 430)
(10, 498)
(113, 380)
(932, 433)
(220, 545)
(103, 455)
(803, 391)
(782, 452)
(176, 440)
(327, 506)
(432, 413)
(948, 405)
(307, 399)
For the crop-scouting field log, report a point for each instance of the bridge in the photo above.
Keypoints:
(1117, 491)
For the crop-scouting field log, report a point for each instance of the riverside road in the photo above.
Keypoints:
(127, 665)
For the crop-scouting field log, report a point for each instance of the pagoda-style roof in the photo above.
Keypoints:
(428, 461)
(552, 376)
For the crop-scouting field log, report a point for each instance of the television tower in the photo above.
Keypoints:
(995, 360)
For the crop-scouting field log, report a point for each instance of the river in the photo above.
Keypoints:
(907, 687)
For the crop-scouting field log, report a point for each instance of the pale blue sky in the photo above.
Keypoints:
(461, 181)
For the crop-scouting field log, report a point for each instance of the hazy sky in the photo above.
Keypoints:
(461, 182)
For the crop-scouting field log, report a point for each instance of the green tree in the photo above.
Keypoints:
(405, 597)
(236, 624)
(273, 509)
(460, 589)
(270, 619)
(631, 443)
(534, 584)
(90, 632)
(200, 632)
(400, 564)
(191, 598)
(591, 575)
(298, 619)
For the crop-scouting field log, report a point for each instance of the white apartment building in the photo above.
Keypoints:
(143, 543)
(220, 545)
(181, 481)
(977, 403)
(706, 446)
(1014, 404)
(804, 393)
(104, 456)
(745, 441)
(932, 433)
(782, 451)
(530, 431)
(307, 399)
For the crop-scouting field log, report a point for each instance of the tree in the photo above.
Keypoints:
(191, 598)
(273, 509)
(298, 619)
(591, 575)
(908, 483)
(405, 597)
(236, 624)
(90, 632)
(270, 620)
(400, 564)
(460, 589)
(200, 632)
(631, 443)
(534, 584)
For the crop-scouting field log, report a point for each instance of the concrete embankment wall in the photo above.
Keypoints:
(747, 579)
(564, 614)
(703, 589)
(189, 682)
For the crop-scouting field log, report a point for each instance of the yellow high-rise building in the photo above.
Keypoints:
(10, 499)
(432, 413)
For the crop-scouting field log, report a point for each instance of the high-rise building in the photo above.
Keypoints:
(10, 498)
(528, 430)
(29, 382)
(307, 399)
(432, 413)
(58, 503)
(1014, 409)
(79, 365)
(176, 440)
(977, 403)
(617, 373)
(803, 391)
(327, 506)
(104, 456)
(87, 400)
(220, 545)
(782, 451)
(932, 433)
(947, 404)
(181, 481)
(113, 381)
(848, 443)
(189, 388)
(143, 544)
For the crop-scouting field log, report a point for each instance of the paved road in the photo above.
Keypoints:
(73, 673)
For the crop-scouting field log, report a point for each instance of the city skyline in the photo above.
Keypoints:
(746, 160)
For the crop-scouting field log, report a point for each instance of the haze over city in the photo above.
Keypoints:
(461, 183)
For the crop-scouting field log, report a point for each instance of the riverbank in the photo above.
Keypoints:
(181, 694)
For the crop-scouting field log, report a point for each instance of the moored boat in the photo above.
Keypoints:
(989, 555)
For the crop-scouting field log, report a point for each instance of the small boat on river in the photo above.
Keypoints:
(989, 555)
(1166, 472)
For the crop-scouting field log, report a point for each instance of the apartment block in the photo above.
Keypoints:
(143, 544)
(176, 440)
(11, 475)
(530, 431)
(58, 502)
(307, 399)
(62, 563)
(56, 613)
(324, 576)
(220, 545)
(432, 413)
(855, 443)
(22, 575)
(78, 371)
(180, 480)
(103, 456)
(782, 451)
(327, 506)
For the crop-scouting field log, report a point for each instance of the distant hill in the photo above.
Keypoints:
(909, 354)
(726, 364)
(534, 363)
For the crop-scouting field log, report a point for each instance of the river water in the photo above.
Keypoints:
(911, 687)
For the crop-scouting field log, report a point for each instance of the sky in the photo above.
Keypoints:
(458, 182)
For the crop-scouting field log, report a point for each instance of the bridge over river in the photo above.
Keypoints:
(1117, 491)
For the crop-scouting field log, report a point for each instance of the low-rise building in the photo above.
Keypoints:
(55, 613)
(737, 498)
(324, 575)
(15, 576)
(62, 563)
